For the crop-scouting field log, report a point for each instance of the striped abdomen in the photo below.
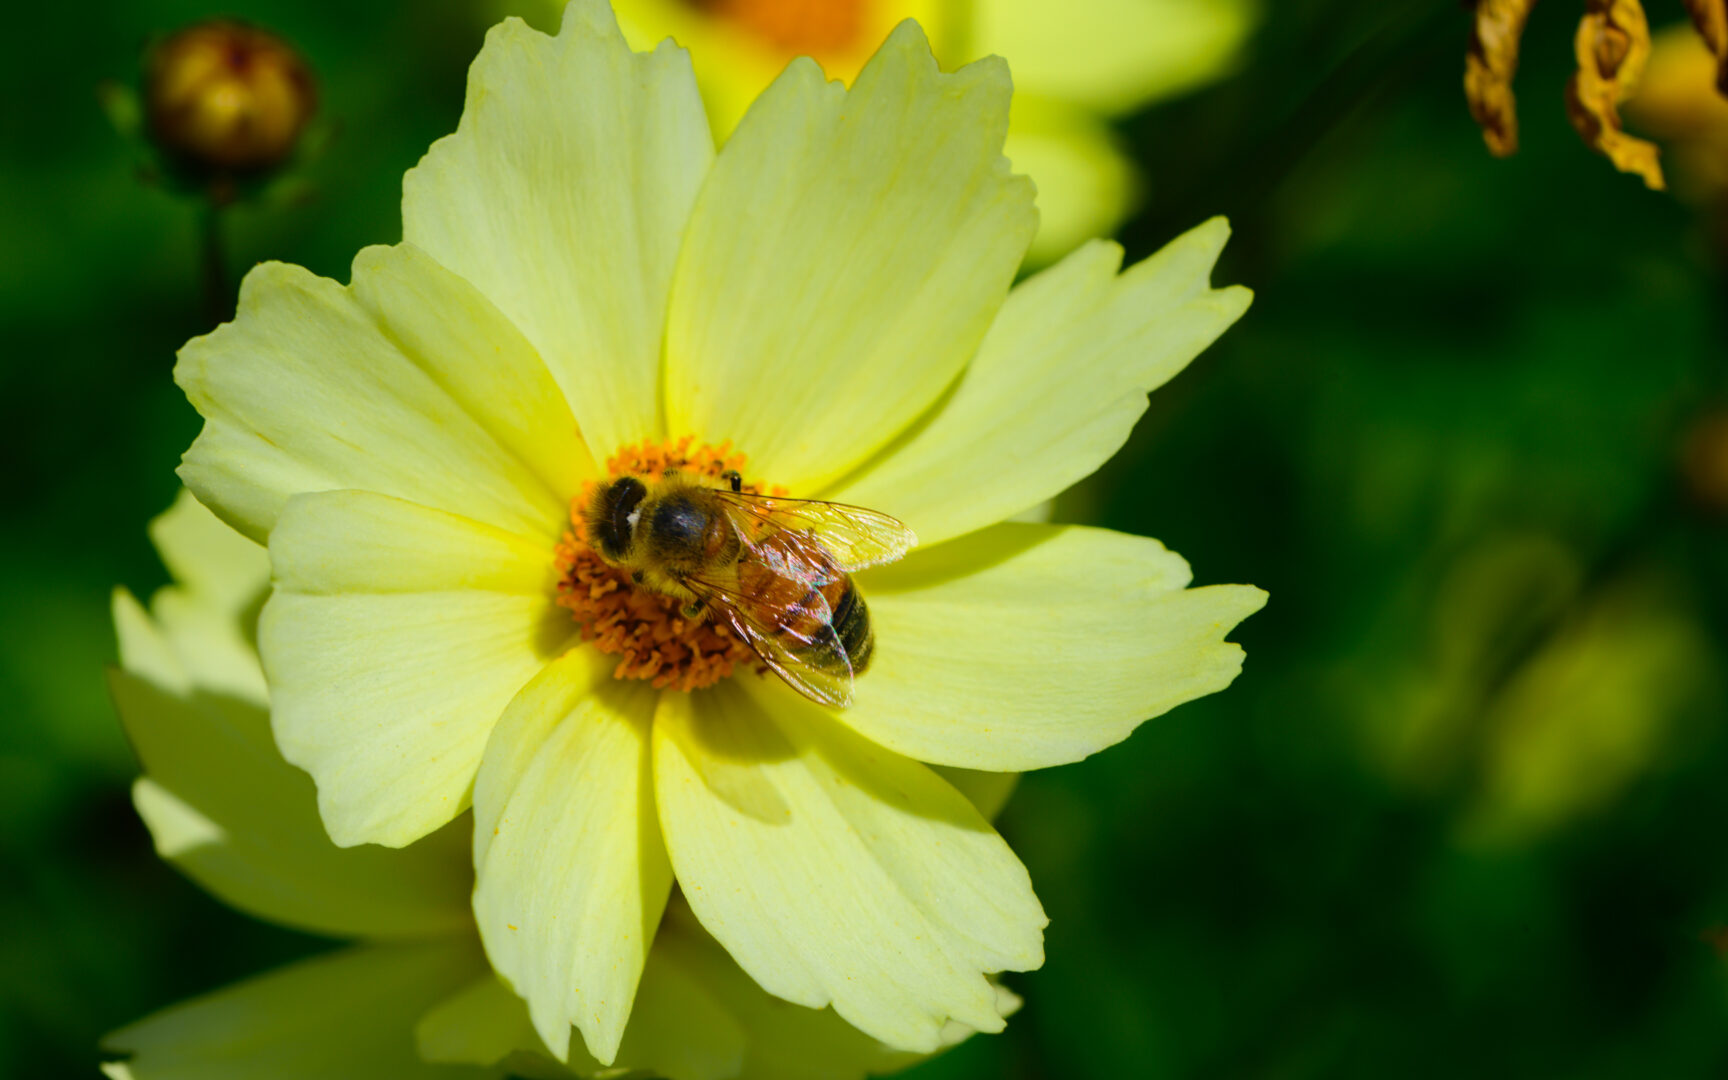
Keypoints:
(825, 626)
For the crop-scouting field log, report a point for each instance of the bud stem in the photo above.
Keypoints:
(213, 263)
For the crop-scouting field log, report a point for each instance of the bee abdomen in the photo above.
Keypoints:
(827, 627)
(852, 631)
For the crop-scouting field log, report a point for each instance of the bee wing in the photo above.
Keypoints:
(822, 687)
(850, 537)
(773, 644)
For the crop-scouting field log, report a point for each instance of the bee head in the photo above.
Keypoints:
(612, 514)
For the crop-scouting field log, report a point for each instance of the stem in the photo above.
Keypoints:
(213, 264)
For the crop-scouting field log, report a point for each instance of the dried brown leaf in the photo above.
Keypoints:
(1489, 67)
(1613, 45)
(1711, 19)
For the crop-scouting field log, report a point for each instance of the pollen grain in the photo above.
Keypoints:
(646, 630)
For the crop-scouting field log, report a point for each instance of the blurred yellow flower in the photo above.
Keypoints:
(1075, 66)
(1679, 104)
(1545, 693)
(583, 279)
(411, 994)
(1600, 705)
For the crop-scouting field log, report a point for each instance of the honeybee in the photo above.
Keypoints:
(776, 571)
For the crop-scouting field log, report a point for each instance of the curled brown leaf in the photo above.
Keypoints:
(1711, 19)
(1613, 45)
(1489, 67)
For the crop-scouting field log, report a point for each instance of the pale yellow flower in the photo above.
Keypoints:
(583, 280)
(411, 994)
(1076, 65)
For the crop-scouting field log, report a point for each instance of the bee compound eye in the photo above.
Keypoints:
(614, 528)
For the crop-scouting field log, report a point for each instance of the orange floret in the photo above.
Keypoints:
(644, 629)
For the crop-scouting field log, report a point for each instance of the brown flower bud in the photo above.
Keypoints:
(225, 98)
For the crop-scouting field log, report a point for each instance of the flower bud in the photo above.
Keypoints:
(226, 98)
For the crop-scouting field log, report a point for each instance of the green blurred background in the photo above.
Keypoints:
(1464, 812)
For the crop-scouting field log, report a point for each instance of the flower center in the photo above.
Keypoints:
(798, 27)
(646, 630)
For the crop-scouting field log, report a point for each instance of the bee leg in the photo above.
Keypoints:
(736, 479)
(694, 608)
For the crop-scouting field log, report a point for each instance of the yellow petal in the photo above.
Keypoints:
(214, 646)
(479, 358)
(219, 800)
(835, 871)
(572, 873)
(1112, 54)
(1025, 646)
(343, 1016)
(146, 651)
(697, 1017)
(315, 386)
(679, 1030)
(563, 196)
(782, 1041)
(1056, 387)
(735, 61)
(844, 260)
(395, 638)
(481, 1024)
(224, 807)
(988, 791)
(205, 617)
(207, 559)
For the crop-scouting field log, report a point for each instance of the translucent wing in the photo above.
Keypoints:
(833, 689)
(779, 641)
(850, 537)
